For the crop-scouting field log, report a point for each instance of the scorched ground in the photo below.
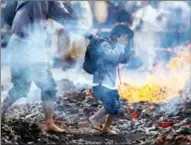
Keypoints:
(138, 126)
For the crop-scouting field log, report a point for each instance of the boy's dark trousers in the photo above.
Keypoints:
(110, 99)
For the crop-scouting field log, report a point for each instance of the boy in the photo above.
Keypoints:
(114, 51)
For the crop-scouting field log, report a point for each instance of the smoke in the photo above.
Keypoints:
(172, 106)
(146, 43)
(159, 29)
(83, 11)
(149, 40)
(33, 50)
(176, 12)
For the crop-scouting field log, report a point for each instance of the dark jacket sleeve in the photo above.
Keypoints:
(37, 10)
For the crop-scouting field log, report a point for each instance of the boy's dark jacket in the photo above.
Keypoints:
(110, 55)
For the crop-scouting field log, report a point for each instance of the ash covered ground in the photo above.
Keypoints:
(23, 122)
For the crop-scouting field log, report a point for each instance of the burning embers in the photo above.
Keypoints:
(165, 82)
(152, 104)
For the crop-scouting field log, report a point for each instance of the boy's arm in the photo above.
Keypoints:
(124, 57)
(117, 55)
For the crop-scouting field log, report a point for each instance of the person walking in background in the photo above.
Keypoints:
(29, 60)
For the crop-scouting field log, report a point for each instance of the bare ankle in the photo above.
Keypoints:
(49, 122)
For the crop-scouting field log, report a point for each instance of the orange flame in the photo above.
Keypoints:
(162, 85)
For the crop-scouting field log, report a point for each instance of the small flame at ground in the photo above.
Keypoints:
(164, 83)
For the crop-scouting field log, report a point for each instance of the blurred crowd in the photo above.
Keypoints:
(157, 25)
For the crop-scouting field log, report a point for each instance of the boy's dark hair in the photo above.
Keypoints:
(121, 29)
(124, 16)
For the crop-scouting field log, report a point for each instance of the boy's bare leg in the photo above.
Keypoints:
(112, 128)
(49, 125)
(94, 119)
(106, 127)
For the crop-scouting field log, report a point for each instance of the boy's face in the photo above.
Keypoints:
(123, 39)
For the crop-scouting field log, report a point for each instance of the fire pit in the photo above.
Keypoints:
(158, 112)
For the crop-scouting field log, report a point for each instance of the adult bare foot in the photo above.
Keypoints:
(95, 124)
(51, 127)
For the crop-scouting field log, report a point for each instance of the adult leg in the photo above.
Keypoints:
(44, 80)
(20, 76)
(21, 86)
(48, 107)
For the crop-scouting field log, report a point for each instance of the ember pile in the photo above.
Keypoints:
(23, 124)
(162, 104)
(142, 123)
(162, 127)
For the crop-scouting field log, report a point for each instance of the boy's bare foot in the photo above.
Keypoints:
(51, 127)
(115, 129)
(95, 124)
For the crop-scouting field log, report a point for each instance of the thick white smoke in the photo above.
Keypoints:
(146, 43)
(148, 40)
(38, 52)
